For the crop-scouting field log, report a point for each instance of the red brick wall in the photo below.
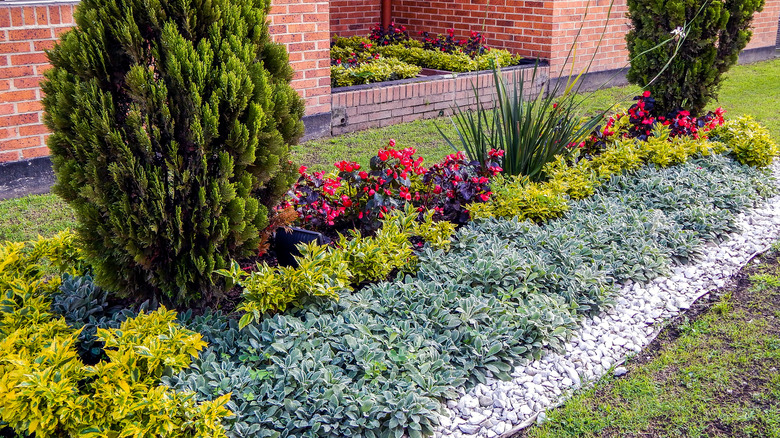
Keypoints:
(25, 31)
(547, 28)
(522, 26)
(600, 19)
(354, 17)
(371, 107)
(612, 54)
(765, 25)
(304, 27)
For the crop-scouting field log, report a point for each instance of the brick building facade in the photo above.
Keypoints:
(543, 29)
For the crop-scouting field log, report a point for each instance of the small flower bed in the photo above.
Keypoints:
(388, 54)
(641, 119)
(357, 198)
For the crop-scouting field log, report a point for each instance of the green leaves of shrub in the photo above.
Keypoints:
(379, 361)
(171, 169)
(750, 142)
(375, 70)
(325, 271)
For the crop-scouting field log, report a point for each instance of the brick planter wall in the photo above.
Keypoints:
(366, 106)
(27, 30)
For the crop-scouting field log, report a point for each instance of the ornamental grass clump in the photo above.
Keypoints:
(531, 131)
(171, 124)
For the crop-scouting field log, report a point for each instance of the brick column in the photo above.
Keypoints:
(26, 31)
(304, 27)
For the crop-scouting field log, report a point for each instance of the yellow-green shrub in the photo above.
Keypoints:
(539, 202)
(320, 272)
(622, 155)
(29, 272)
(47, 391)
(750, 142)
(374, 258)
(578, 182)
(437, 234)
(662, 151)
(377, 70)
(518, 197)
(327, 270)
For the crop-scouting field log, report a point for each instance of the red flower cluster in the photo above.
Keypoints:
(642, 120)
(358, 199)
(682, 124)
(473, 46)
(391, 35)
(458, 182)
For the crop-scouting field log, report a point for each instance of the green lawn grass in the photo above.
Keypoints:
(719, 378)
(748, 89)
(26, 218)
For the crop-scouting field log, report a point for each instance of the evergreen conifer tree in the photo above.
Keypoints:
(710, 33)
(171, 123)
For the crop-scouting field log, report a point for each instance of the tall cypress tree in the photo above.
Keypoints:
(705, 38)
(171, 124)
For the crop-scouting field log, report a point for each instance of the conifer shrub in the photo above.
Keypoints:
(171, 124)
(684, 47)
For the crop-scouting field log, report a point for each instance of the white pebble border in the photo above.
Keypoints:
(501, 409)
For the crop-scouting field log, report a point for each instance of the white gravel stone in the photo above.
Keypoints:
(492, 409)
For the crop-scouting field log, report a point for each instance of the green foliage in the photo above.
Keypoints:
(549, 199)
(436, 234)
(375, 364)
(663, 152)
(374, 258)
(748, 140)
(379, 361)
(577, 182)
(378, 70)
(320, 272)
(680, 49)
(49, 392)
(518, 197)
(324, 271)
(171, 125)
(411, 52)
(531, 131)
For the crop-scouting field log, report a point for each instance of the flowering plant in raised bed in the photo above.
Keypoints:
(473, 46)
(391, 35)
